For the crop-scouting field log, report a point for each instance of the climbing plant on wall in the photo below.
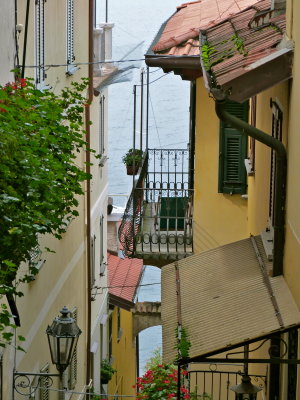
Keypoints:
(41, 136)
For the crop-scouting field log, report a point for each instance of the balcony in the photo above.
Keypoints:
(214, 381)
(157, 225)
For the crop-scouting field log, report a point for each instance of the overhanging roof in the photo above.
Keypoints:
(176, 45)
(224, 300)
(124, 276)
(247, 53)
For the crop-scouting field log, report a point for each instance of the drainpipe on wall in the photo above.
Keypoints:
(88, 196)
(280, 178)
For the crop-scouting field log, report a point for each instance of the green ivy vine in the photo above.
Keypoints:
(183, 343)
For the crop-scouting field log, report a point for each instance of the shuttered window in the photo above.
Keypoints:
(72, 369)
(102, 263)
(70, 37)
(39, 24)
(233, 151)
(101, 126)
(93, 260)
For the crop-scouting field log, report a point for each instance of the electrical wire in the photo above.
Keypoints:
(66, 391)
(157, 79)
(127, 286)
(155, 121)
(99, 290)
(103, 62)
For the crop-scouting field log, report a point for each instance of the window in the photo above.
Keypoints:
(277, 117)
(72, 369)
(233, 151)
(93, 259)
(40, 74)
(110, 337)
(250, 161)
(120, 331)
(102, 263)
(71, 68)
(35, 262)
(101, 125)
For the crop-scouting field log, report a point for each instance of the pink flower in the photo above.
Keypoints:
(184, 372)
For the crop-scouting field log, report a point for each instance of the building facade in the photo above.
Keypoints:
(47, 39)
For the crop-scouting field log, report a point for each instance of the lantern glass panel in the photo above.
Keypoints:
(65, 345)
(53, 348)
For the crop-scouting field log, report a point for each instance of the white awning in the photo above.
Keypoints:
(224, 297)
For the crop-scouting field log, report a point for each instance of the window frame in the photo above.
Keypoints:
(70, 38)
(277, 124)
(101, 254)
(39, 43)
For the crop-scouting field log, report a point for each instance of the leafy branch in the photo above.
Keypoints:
(41, 137)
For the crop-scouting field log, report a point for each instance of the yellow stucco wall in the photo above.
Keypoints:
(292, 247)
(218, 218)
(123, 354)
(63, 277)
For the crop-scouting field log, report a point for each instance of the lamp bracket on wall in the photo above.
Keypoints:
(22, 382)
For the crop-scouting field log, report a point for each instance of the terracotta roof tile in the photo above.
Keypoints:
(192, 17)
(125, 274)
(231, 57)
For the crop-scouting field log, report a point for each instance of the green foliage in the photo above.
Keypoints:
(206, 53)
(155, 359)
(106, 371)
(182, 343)
(239, 44)
(133, 156)
(7, 328)
(160, 382)
(40, 137)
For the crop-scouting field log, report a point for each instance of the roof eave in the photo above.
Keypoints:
(188, 67)
(219, 351)
(260, 77)
(120, 302)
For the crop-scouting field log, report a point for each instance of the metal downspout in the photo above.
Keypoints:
(88, 195)
(25, 39)
(280, 178)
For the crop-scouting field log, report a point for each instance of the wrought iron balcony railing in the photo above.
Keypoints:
(214, 383)
(158, 220)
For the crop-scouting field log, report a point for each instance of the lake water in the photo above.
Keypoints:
(136, 21)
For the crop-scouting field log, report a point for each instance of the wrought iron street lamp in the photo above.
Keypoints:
(62, 335)
(245, 390)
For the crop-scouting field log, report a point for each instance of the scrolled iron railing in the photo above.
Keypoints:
(158, 216)
(215, 384)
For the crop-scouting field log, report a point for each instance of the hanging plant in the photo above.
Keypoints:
(133, 160)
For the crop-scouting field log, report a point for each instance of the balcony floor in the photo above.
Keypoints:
(160, 247)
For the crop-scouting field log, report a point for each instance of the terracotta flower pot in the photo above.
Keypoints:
(132, 170)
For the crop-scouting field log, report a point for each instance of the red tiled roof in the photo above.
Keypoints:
(125, 274)
(244, 39)
(181, 33)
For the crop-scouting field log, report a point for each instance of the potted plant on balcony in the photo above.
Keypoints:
(106, 371)
(133, 160)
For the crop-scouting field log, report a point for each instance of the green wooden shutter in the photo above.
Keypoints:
(233, 151)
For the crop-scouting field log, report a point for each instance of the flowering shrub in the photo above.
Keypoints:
(160, 382)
